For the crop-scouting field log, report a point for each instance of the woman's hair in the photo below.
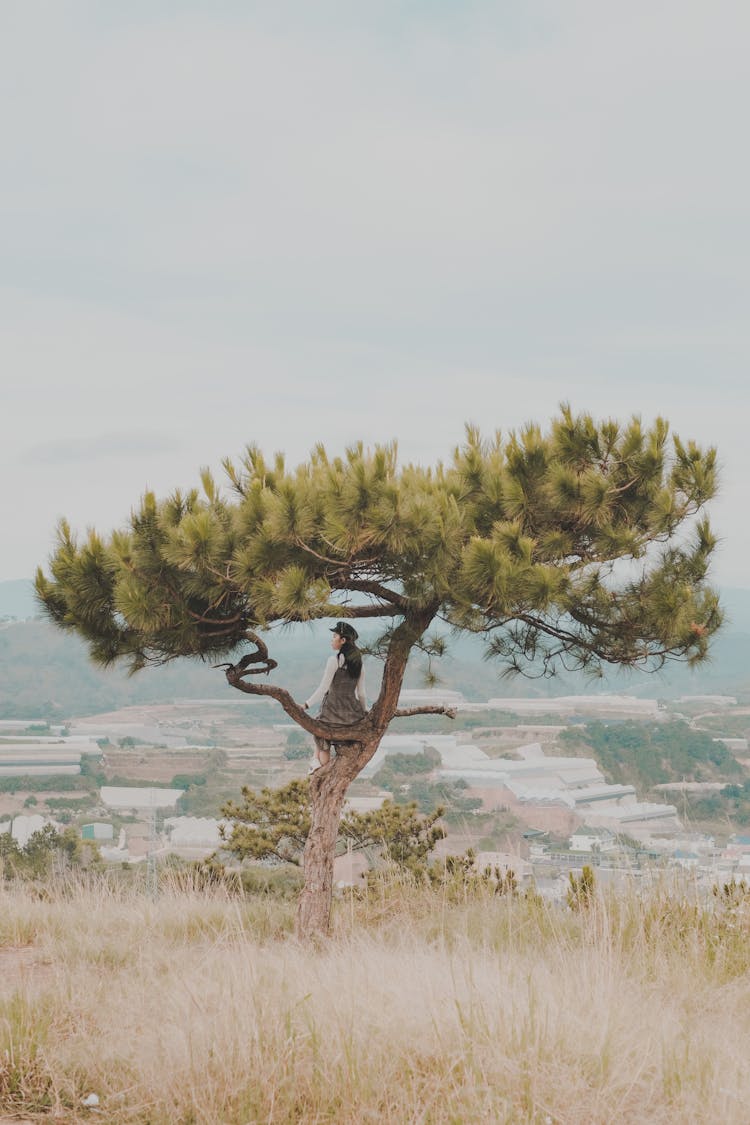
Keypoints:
(352, 658)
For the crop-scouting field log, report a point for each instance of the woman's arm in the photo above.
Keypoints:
(361, 693)
(325, 683)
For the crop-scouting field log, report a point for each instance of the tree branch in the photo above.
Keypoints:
(404, 636)
(374, 723)
(364, 586)
(259, 656)
(201, 617)
(332, 562)
(404, 712)
(369, 610)
(331, 732)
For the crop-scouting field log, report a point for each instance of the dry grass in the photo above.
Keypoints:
(202, 1009)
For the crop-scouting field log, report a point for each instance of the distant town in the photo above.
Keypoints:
(147, 782)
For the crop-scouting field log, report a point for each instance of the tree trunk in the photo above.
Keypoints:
(328, 787)
(329, 784)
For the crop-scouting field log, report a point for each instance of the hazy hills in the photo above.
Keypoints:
(17, 599)
(46, 673)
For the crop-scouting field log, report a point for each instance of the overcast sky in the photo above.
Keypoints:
(232, 222)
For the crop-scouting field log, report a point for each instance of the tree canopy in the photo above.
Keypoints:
(580, 546)
(573, 546)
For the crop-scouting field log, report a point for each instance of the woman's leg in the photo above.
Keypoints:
(322, 754)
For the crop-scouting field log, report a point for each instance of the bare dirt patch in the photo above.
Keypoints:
(10, 804)
(152, 764)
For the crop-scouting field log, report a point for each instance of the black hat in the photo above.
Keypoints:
(344, 629)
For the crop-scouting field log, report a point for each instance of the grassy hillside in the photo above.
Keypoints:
(198, 1008)
(729, 806)
(647, 754)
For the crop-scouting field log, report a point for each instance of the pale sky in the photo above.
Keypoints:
(236, 222)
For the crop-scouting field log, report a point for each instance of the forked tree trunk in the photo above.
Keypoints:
(329, 784)
(328, 787)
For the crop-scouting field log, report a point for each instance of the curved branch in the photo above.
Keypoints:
(404, 712)
(323, 558)
(331, 732)
(364, 586)
(235, 620)
(370, 610)
(613, 628)
(375, 722)
(259, 656)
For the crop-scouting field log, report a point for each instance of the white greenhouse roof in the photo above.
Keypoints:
(124, 797)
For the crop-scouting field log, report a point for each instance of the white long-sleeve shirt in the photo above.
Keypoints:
(333, 663)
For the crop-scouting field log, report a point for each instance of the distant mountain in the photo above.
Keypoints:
(46, 673)
(17, 599)
(736, 604)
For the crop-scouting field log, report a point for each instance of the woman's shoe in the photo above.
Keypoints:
(314, 765)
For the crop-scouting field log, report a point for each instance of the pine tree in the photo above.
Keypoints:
(578, 547)
(274, 824)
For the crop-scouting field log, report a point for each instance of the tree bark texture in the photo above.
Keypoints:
(328, 786)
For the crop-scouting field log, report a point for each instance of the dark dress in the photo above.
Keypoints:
(340, 704)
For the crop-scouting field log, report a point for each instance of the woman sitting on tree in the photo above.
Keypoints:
(342, 688)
